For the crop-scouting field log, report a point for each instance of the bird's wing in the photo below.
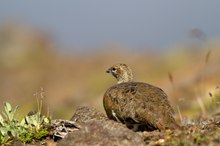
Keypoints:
(154, 107)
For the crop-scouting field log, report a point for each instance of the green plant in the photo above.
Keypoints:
(37, 126)
(34, 126)
(9, 125)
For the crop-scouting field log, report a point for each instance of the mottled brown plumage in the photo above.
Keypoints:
(138, 105)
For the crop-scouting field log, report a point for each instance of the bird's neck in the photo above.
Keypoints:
(127, 77)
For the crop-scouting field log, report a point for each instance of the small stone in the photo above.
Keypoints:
(86, 113)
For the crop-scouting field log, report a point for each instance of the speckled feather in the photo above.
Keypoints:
(141, 104)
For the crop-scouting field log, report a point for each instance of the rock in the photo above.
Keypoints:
(102, 132)
(60, 128)
(86, 113)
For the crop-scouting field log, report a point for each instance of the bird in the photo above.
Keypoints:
(139, 105)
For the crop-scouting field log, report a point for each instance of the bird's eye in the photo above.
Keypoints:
(114, 69)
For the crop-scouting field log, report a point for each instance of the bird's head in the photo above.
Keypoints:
(121, 72)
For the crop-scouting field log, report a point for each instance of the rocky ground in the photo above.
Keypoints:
(90, 127)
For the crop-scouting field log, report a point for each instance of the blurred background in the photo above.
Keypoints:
(62, 48)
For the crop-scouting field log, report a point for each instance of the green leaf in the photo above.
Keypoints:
(1, 120)
(46, 121)
(7, 106)
(14, 111)
(23, 122)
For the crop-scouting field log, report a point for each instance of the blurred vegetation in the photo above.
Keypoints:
(29, 60)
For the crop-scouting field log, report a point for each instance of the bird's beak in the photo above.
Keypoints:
(108, 70)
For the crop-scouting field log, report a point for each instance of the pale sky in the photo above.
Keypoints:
(133, 23)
